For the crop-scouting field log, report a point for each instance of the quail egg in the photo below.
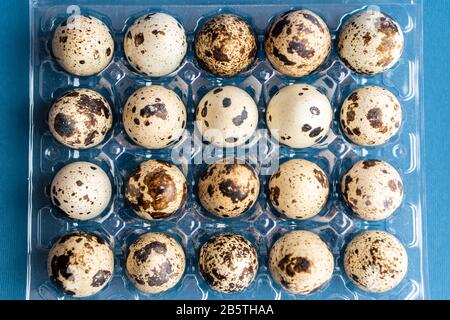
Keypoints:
(83, 45)
(371, 116)
(80, 118)
(297, 43)
(80, 263)
(155, 44)
(228, 188)
(227, 116)
(373, 189)
(225, 45)
(154, 117)
(375, 261)
(371, 42)
(299, 116)
(301, 262)
(156, 189)
(228, 262)
(82, 190)
(155, 262)
(299, 189)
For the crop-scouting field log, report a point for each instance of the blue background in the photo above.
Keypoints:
(14, 145)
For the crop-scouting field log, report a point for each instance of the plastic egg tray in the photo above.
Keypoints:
(192, 226)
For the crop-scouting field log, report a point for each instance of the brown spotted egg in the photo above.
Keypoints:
(297, 43)
(373, 189)
(227, 116)
(371, 116)
(155, 44)
(225, 45)
(299, 116)
(80, 263)
(301, 262)
(156, 190)
(299, 189)
(375, 261)
(155, 262)
(83, 45)
(154, 117)
(228, 262)
(228, 188)
(80, 118)
(82, 190)
(370, 42)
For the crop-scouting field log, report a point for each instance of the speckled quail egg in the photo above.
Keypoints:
(83, 45)
(155, 262)
(373, 189)
(228, 262)
(227, 116)
(370, 42)
(301, 262)
(371, 116)
(82, 190)
(375, 261)
(225, 45)
(154, 117)
(80, 263)
(156, 189)
(299, 189)
(297, 43)
(299, 116)
(228, 188)
(80, 118)
(155, 44)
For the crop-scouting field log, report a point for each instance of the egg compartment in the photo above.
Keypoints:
(192, 225)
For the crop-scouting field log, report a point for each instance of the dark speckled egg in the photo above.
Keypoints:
(228, 262)
(371, 42)
(297, 43)
(80, 263)
(80, 118)
(155, 262)
(156, 190)
(225, 45)
(228, 188)
(375, 261)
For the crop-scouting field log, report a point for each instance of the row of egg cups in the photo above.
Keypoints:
(298, 116)
(81, 263)
(296, 44)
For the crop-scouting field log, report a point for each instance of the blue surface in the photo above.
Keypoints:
(14, 145)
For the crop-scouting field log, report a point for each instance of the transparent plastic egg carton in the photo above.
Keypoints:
(193, 225)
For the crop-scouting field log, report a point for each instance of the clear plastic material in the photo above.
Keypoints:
(193, 225)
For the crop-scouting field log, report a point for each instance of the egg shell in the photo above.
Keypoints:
(225, 45)
(227, 116)
(371, 116)
(301, 262)
(228, 262)
(297, 43)
(80, 263)
(154, 117)
(299, 116)
(299, 189)
(82, 190)
(228, 188)
(376, 261)
(373, 189)
(371, 42)
(156, 190)
(155, 44)
(83, 45)
(80, 118)
(155, 262)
